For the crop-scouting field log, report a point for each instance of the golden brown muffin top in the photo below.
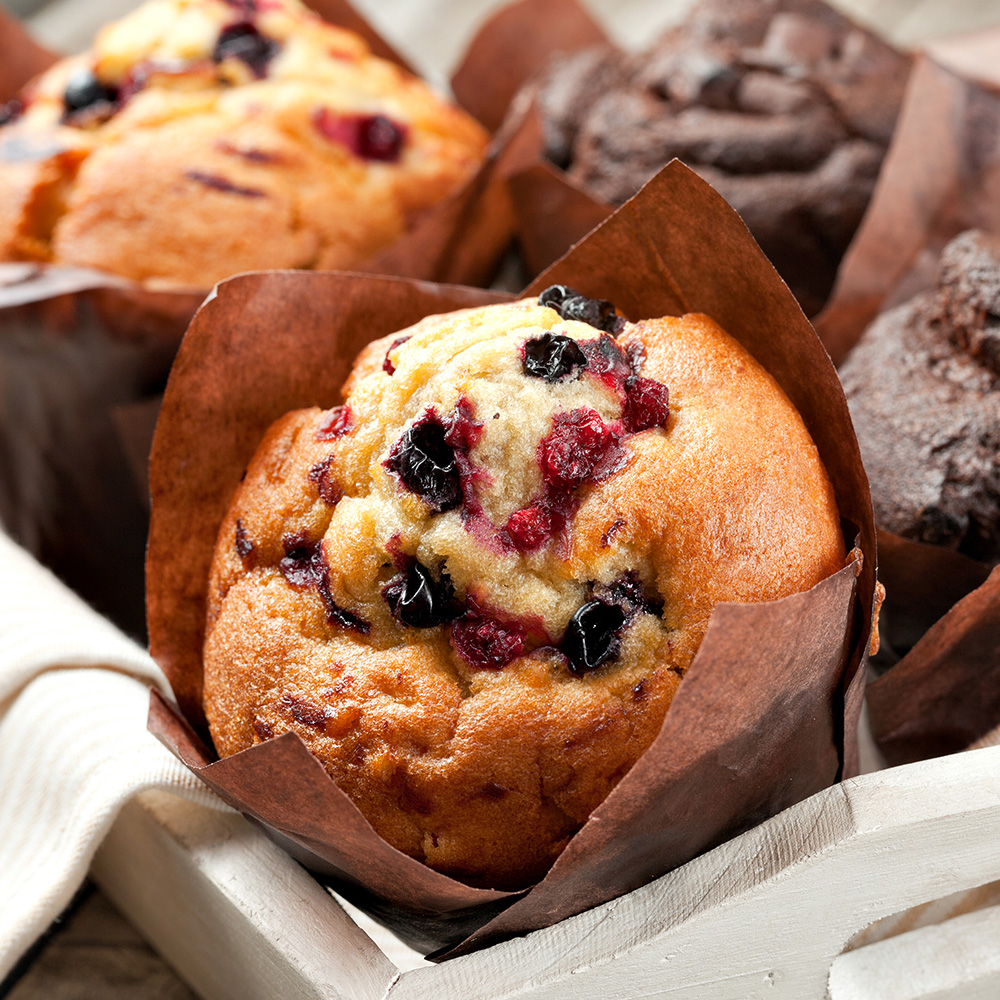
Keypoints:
(474, 587)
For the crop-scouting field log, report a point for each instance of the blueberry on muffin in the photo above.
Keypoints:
(475, 586)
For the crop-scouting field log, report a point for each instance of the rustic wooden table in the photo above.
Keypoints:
(92, 951)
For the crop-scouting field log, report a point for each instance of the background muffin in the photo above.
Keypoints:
(923, 385)
(201, 137)
(474, 588)
(785, 108)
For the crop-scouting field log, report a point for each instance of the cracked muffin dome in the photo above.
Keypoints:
(199, 138)
(785, 107)
(474, 588)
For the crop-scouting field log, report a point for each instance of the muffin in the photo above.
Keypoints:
(923, 386)
(474, 588)
(199, 138)
(786, 108)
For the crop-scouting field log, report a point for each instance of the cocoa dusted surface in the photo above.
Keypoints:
(786, 109)
(924, 390)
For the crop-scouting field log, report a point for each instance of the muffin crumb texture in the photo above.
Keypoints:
(474, 588)
(786, 108)
(923, 385)
(199, 138)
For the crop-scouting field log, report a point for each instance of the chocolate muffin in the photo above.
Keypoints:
(198, 138)
(786, 108)
(923, 385)
(474, 588)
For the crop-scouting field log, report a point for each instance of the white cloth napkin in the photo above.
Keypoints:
(73, 744)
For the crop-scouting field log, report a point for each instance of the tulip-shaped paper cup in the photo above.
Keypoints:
(83, 352)
(942, 609)
(766, 713)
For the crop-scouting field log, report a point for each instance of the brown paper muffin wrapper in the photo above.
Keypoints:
(766, 714)
(75, 345)
(940, 177)
(945, 693)
(942, 611)
(552, 211)
(79, 349)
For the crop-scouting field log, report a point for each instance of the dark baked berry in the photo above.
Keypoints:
(380, 138)
(487, 643)
(463, 431)
(84, 90)
(245, 548)
(635, 352)
(530, 527)
(305, 565)
(328, 488)
(607, 361)
(336, 615)
(552, 357)
(244, 42)
(219, 183)
(646, 404)
(304, 711)
(593, 636)
(570, 304)
(416, 599)
(630, 595)
(337, 423)
(11, 111)
(616, 525)
(370, 137)
(387, 365)
(578, 449)
(425, 463)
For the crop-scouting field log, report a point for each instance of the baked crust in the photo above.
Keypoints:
(484, 770)
(306, 151)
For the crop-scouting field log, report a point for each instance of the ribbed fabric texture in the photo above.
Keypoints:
(74, 693)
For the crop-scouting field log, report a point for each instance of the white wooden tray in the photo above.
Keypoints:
(792, 910)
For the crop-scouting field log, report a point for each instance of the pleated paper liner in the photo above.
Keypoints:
(766, 714)
(940, 177)
(74, 346)
(553, 212)
(942, 612)
(79, 349)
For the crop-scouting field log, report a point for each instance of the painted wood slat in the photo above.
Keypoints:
(762, 916)
(955, 960)
(232, 913)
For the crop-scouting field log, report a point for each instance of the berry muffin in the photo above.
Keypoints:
(923, 385)
(474, 588)
(786, 108)
(199, 138)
